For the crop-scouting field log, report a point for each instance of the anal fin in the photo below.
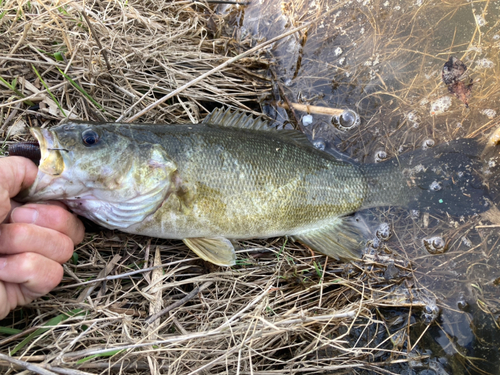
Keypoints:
(341, 239)
(219, 251)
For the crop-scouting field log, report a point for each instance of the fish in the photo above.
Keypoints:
(235, 177)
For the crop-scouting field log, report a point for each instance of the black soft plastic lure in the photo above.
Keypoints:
(30, 150)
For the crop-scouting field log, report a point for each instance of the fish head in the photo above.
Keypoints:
(77, 149)
(101, 170)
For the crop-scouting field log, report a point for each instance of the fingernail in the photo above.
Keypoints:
(24, 215)
(3, 262)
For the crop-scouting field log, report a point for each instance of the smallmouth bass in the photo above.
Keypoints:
(233, 177)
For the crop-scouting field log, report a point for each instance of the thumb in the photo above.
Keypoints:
(16, 173)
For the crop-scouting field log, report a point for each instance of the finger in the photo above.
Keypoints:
(16, 173)
(36, 274)
(53, 216)
(20, 238)
(14, 205)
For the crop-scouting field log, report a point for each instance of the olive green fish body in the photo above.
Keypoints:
(231, 177)
(239, 183)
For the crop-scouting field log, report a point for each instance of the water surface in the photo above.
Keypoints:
(383, 59)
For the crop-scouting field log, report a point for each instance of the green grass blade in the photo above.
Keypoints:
(58, 56)
(48, 90)
(12, 87)
(107, 354)
(6, 83)
(281, 249)
(51, 323)
(9, 331)
(77, 86)
(63, 11)
(318, 269)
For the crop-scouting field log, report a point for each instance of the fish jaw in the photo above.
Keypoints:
(51, 182)
(51, 161)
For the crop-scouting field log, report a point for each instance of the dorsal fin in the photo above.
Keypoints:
(236, 119)
(239, 119)
(297, 136)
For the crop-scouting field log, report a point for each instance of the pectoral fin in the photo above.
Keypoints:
(218, 250)
(342, 239)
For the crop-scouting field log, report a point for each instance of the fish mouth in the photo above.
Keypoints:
(51, 159)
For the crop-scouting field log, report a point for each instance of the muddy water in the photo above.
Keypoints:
(383, 60)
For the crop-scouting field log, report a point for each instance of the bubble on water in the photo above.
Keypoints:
(319, 144)
(338, 51)
(462, 304)
(485, 63)
(490, 113)
(430, 313)
(346, 120)
(424, 102)
(435, 245)
(288, 82)
(384, 232)
(375, 243)
(466, 241)
(413, 118)
(380, 156)
(440, 105)
(428, 143)
(480, 20)
(435, 186)
(307, 120)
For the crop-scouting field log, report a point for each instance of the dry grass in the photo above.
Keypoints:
(282, 309)
(149, 50)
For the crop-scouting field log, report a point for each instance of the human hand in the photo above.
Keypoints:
(35, 239)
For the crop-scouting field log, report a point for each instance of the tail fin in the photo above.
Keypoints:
(448, 178)
(445, 179)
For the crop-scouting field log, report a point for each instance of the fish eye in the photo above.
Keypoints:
(90, 137)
